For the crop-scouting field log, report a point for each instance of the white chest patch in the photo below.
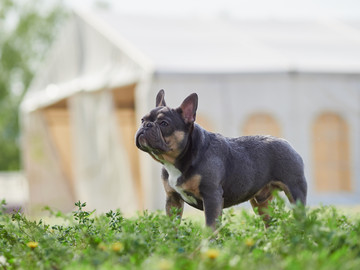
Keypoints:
(174, 175)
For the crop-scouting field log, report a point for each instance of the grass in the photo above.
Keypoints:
(298, 238)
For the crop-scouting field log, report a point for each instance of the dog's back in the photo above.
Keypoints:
(252, 162)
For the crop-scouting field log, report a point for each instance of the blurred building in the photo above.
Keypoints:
(295, 79)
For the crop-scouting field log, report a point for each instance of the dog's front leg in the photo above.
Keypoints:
(213, 205)
(174, 204)
(173, 199)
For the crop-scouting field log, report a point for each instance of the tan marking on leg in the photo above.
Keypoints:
(192, 185)
(261, 202)
(168, 188)
(173, 199)
(263, 194)
(283, 187)
(262, 209)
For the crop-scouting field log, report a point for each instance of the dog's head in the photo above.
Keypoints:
(164, 132)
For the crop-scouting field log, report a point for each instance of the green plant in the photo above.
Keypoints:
(298, 238)
(27, 29)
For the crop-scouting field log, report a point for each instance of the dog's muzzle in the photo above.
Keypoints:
(140, 140)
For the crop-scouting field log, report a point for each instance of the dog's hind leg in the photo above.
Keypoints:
(261, 209)
(296, 191)
(261, 202)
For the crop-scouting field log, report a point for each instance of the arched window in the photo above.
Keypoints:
(331, 153)
(261, 124)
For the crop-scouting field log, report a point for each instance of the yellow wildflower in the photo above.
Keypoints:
(249, 242)
(211, 253)
(32, 244)
(117, 247)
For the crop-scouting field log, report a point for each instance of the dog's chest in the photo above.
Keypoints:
(174, 175)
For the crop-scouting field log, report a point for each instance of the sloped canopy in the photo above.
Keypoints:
(109, 49)
(228, 45)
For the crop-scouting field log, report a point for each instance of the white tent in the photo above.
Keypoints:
(81, 112)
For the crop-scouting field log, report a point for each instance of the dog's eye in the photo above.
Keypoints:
(164, 124)
(142, 121)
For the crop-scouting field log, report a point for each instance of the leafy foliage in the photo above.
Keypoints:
(27, 29)
(298, 238)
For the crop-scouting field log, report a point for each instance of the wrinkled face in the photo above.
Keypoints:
(163, 134)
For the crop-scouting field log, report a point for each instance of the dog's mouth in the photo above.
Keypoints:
(146, 143)
(143, 144)
(141, 141)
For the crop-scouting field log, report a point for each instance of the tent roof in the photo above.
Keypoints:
(229, 45)
(106, 49)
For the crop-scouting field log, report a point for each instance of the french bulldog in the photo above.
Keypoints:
(209, 171)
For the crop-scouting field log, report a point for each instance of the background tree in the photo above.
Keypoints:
(27, 29)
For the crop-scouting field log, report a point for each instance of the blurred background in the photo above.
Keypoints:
(77, 76)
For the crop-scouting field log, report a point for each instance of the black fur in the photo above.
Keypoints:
(225, 171)
(243, 166)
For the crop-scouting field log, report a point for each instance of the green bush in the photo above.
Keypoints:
(298, 238)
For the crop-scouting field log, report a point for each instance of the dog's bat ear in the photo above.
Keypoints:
(188, 108)
(160, 99)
